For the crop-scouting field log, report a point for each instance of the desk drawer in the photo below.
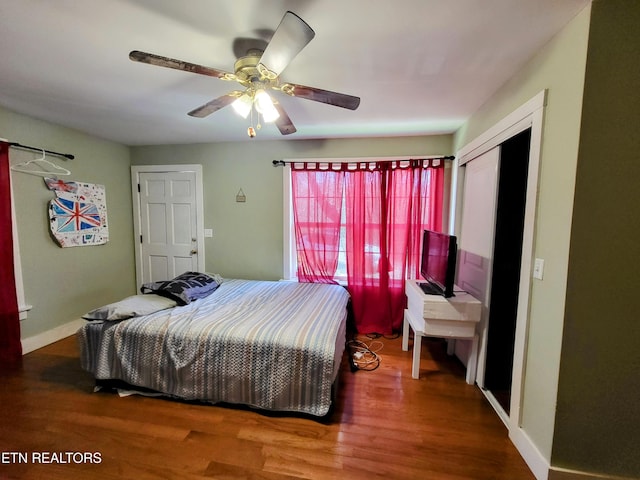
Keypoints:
(462, 307)
(441, 328)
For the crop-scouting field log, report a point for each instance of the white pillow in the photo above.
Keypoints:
(134, 306)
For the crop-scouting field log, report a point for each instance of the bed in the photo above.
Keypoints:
(272, 345)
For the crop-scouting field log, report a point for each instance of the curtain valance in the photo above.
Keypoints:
(365, 166)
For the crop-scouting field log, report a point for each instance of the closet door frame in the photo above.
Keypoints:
(529, 115)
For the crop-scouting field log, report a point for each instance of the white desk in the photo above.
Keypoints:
(437, 316)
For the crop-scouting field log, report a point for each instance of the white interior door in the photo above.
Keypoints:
(476, 242)
(169, 224)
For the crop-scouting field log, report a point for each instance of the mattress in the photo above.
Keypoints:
(271, 345)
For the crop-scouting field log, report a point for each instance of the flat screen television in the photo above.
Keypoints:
(438, 263)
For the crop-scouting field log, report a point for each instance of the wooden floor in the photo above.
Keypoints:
(385, 425)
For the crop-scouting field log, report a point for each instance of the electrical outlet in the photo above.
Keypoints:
(538, 268)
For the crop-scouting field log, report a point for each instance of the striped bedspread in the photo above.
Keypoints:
(271, 345)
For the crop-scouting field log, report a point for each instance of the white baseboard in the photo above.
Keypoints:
(540, 466)
(50, 336)
(536, 462)
(556, 473)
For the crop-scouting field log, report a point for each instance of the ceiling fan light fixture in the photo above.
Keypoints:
(243, 105)
(265, 106)
(270, 115)
(257, 71)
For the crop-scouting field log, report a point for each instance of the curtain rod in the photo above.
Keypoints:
(282, 163)
(36, 149)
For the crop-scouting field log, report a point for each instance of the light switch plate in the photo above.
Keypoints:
(538, 268)
(208, 232)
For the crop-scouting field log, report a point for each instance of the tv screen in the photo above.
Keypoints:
(438, 263)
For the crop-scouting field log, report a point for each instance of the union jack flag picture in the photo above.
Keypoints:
(75, 216)
(78, 214)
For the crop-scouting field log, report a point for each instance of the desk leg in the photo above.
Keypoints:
(472, 363)
(451, 346)
(405, 333)
(417, 344)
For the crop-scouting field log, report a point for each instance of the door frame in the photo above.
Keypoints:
(136, 170)
(529, 115)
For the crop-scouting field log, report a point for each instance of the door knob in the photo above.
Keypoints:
(193, 252)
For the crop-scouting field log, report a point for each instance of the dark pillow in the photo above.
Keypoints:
(184, 288)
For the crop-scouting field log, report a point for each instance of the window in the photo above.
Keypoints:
(290, 254)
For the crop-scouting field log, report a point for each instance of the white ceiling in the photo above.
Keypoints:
(419, 66)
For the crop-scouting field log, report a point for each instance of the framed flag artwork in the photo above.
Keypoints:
(78, 213)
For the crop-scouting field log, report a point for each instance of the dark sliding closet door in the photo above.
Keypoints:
(507, 255)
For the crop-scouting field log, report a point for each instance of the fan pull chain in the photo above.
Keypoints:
(251, 131)
(259, 125)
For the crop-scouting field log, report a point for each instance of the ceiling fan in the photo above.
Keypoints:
(258, 71)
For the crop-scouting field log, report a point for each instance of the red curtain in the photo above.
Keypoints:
(367, 251)
(317, 202)
(387, 206)
(10, 346)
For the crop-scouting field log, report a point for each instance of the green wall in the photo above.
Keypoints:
(559, 67)
(248, 237)
(598, 420)
(64, 283)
